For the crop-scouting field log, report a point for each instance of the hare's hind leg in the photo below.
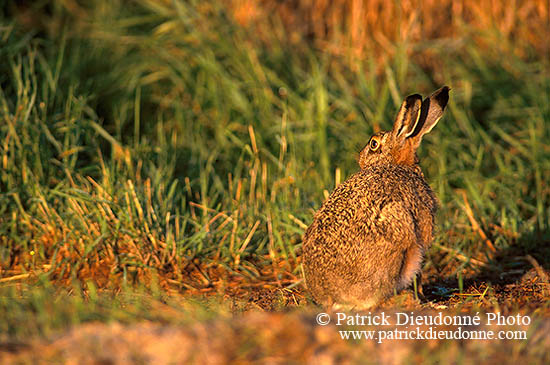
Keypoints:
(412, 261)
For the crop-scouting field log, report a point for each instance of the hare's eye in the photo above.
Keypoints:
(374, 145)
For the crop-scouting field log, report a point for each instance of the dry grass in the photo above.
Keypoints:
(359, 29)
(127, 243)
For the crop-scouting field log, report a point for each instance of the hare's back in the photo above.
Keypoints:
(357, 206)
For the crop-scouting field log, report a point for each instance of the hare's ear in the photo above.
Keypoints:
(431, 111)
(407, 117)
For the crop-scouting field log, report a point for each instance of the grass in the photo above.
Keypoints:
(156, 142)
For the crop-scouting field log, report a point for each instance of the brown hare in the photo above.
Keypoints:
(369, 237)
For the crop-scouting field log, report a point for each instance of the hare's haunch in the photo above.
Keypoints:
(369, 237)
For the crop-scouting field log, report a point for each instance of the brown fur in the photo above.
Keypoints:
(369, 237)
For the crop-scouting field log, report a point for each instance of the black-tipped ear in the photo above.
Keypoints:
(431, 111)
(407, 117)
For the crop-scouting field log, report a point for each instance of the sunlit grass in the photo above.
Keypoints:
(163, 142)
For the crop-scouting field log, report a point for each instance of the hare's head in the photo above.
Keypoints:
(414, 120)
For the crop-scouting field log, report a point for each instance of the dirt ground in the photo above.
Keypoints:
(275, 325)
(273, 320)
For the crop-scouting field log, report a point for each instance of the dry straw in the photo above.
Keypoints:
(355, 28)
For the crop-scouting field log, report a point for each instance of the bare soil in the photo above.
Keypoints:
(272, 323)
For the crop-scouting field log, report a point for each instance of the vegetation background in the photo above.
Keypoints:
(160, 160)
